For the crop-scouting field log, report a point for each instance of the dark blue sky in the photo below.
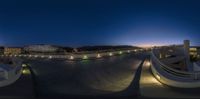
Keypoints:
(97, 22)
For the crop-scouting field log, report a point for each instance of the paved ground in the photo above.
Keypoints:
(88, 77)
(122, 77)
(152, 88)
(22, 88)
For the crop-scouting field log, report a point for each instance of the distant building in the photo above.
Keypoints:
(1, 50)
(42, 48)
(12, 50)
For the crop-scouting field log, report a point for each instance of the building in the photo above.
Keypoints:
(12, 50)
(195, 50)
(42, 48)
(1, 50)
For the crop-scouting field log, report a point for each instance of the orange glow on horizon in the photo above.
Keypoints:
(146, 45)
(151, 45)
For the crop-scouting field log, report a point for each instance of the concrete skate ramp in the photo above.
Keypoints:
(86, 77)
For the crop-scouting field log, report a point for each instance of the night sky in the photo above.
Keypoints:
(99, 22)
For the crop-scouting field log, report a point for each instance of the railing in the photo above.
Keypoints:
(173, 72)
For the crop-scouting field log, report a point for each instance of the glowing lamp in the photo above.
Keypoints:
(110, 54)
(85, 57)
(98, 55)
(157, 76)
(25, 71)
(24, 65)
(36, 56)
(148, 63)
(71, 57)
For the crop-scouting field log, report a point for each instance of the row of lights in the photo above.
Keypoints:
(71, 57)
(98, 55)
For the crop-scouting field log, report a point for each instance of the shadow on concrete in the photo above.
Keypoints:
(131, 92)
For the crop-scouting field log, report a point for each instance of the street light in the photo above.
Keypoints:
(71, 57)
(24, 65)
(148, 63)
(35, 56)
(85, 57)
(110, 54)
(98, 56)
(25, 71)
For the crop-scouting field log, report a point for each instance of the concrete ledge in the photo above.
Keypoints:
(10, 80)
(173, 83)
(12, 75)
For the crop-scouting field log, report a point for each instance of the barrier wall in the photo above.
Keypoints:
(12, 75)
(173, 77)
